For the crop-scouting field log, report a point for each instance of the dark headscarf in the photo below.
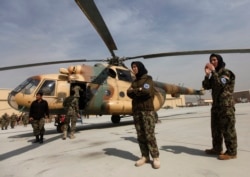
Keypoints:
(141, 68)
(221, 63)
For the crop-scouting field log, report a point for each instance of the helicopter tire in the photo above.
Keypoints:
(115, 119)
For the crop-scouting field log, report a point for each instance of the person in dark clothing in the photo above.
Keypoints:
(141, 92)
(221, 81)
(39, 110)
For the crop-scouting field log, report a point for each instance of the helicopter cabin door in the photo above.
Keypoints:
(79, 90)
(123, 82)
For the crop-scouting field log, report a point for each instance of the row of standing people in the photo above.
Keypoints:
(39, 111)
(217, 78)
(7, 120)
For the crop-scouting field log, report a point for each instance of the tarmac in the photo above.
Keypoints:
(103, 149)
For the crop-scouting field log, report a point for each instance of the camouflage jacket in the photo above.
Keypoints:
(5, 117)
(142, 99)
(222, 85)
(71, 105)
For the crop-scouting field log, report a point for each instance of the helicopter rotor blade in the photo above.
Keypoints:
(41, 64)
(195, 52)
(89, 8)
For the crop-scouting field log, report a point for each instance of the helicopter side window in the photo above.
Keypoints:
(124, 75)
(28, 86)
(112, 73)
(48, 88)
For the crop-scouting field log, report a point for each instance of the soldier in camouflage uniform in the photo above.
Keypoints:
(5, 121)
(72, 107)
(76, 89)
(25, 119)
(221, 81)
(142, 94)
(13, 120)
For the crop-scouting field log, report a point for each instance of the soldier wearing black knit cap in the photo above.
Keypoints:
(221, 81)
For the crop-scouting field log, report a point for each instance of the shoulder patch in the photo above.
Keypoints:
(146, 86)
(223, 80)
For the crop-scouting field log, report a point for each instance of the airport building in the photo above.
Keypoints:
(239, 97)
(173, 102)
(242, 96)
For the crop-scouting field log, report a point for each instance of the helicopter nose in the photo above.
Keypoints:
(12, 101)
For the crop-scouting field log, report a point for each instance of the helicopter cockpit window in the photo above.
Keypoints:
(112, 73)
(124, 75)
(28, 86)
(48, 88)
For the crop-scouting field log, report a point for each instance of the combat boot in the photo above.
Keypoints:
(41, 139)
(72, 136)
(37, 139)
(213, 152)
(142, 161)
(227, 156)
(64, 135)
(156, 163)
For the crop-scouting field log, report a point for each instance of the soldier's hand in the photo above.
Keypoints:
(210, 67)
(207, 71)
(31, 119)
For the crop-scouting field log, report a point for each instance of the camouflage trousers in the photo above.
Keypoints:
(144, 122)
(70, 119)
(5, 124)
(223, 126)
(38, 126)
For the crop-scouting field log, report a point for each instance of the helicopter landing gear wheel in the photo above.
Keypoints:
(115, 119)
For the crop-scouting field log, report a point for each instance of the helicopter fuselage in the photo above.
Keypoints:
(103, 90)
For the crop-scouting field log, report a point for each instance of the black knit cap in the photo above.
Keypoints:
(141, 68)
(221, 63)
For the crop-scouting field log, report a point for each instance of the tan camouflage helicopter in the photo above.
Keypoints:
(103, 86)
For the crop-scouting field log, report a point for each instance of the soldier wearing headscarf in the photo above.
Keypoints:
(221, 81)
(142, 94)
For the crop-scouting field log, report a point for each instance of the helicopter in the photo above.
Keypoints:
(103, 85)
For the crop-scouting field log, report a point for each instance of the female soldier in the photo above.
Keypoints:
(142, 94)
(221, 81)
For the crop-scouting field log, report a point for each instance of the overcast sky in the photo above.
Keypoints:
(39, 31)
